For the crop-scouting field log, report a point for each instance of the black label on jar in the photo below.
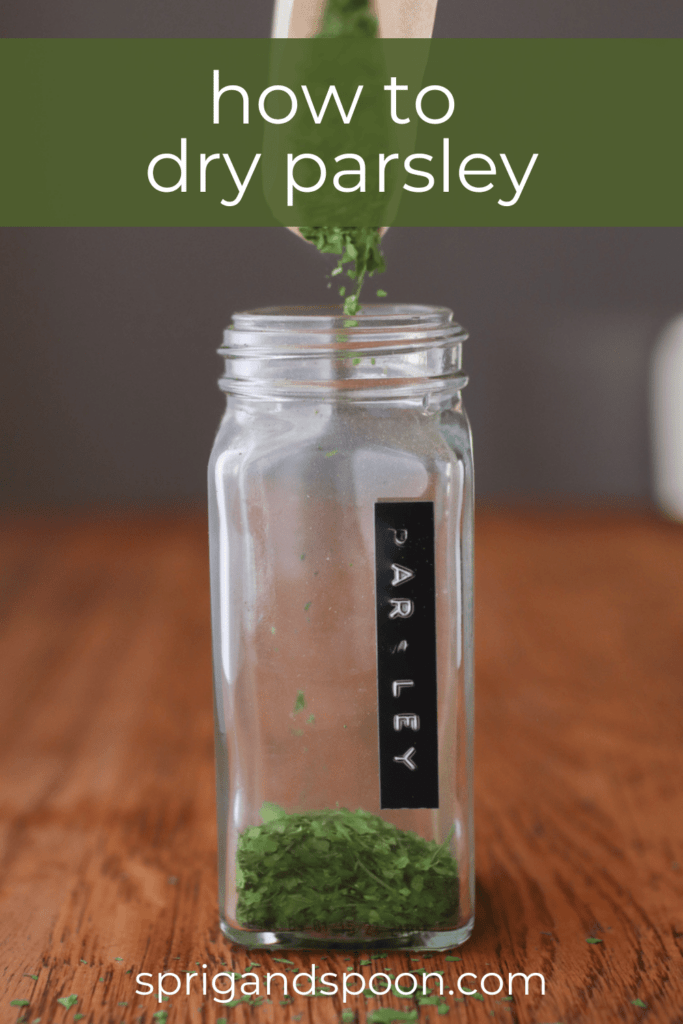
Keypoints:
(406, 654)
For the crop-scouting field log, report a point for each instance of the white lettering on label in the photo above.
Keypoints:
(406, 722)
(407, 759)
(401, 609)
(401, 575)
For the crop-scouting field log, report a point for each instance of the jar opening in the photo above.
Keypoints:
(307, 345)
(326, 319)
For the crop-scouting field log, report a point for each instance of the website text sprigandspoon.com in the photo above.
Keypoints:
(229, 985)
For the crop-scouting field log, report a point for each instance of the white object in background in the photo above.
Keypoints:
(666, 411)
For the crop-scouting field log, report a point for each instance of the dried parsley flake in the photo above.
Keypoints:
(341, 870)
(387, 1015)
(68, 1001)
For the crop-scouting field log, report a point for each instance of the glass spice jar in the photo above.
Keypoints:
(340, 507)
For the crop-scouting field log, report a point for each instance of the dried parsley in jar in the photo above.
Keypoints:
(334, 870)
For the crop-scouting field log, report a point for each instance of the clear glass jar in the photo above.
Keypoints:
(341, 501)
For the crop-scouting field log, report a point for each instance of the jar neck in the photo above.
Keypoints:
(382, 353)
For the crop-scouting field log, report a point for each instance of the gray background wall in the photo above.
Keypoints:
(108, 389)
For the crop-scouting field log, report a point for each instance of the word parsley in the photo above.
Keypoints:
(341, 870)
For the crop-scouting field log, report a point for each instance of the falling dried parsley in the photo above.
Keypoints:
(358, 246)
(341, 870)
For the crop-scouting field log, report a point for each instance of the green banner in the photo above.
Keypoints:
(338, 131)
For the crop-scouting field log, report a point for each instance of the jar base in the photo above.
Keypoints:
(435, 941)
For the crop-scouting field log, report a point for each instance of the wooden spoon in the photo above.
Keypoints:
(398, 19)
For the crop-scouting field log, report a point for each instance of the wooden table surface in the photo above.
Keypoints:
(107, 834)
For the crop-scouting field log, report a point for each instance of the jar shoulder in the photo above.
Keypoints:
(285, 434)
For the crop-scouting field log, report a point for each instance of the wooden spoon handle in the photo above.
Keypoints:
(398, 19)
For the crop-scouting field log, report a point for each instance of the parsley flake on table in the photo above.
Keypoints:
(387, 1015)
(68, 1001)
(300, 702)
(593, 941)
(20, 1002)
(640, 1003)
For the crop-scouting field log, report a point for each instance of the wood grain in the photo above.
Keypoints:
(107, 835)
